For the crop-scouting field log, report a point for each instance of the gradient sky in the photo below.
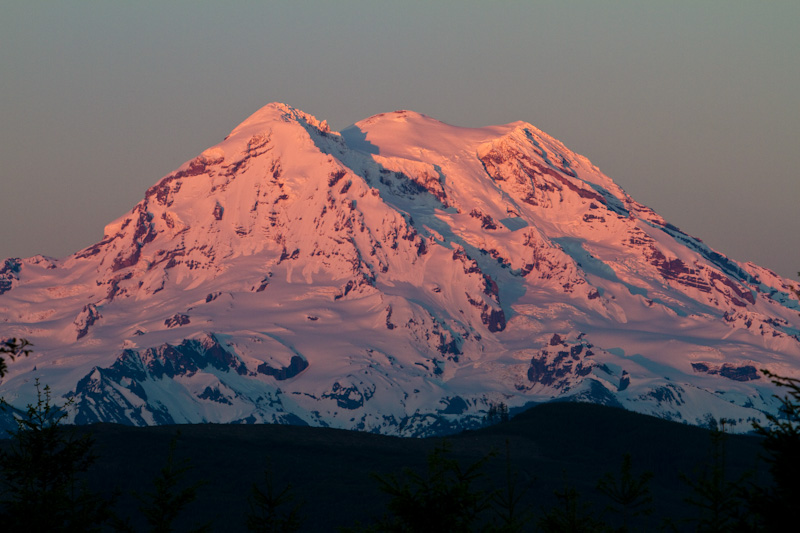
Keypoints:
(692, 107)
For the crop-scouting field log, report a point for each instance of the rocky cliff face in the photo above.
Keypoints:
(397, 277)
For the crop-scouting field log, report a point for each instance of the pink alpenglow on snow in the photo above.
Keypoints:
(400, 276)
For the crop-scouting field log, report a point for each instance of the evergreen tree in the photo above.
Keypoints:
(166, 502)
(42, 473)
(497, 412)
(513, 517)
(571, 515)
(629, 494)
(13, 348)
(781, 443)
(271, 510)
(720, 502)
(443, 499)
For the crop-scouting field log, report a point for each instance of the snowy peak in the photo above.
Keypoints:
(400, 276)
(413, 136)
(225, 200)
(272, 115)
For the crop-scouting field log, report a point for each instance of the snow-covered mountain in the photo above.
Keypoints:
(398, 277)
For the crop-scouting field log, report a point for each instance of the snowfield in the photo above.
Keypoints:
(398, 277)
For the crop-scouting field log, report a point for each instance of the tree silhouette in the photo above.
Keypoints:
(13, 348)
(570, 515)
(272, 510)
(42, 473)
(497, 412)
(162, 506)
(442, 499)
(507, 503)
(629, 494)
(721, 502)
(782, 446)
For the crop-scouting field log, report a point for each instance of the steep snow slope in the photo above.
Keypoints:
(397, 277)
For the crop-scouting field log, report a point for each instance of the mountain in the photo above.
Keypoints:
(400, 277)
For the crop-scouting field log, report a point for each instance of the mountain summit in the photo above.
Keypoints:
(399, 277)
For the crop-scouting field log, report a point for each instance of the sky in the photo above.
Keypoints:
(692, 107)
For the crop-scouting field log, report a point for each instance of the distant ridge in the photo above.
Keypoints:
(550, 446)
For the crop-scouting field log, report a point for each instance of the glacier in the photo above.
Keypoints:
(398, 277)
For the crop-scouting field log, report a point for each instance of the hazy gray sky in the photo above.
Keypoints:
(692, 107)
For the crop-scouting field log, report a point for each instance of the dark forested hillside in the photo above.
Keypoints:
(551, 446)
